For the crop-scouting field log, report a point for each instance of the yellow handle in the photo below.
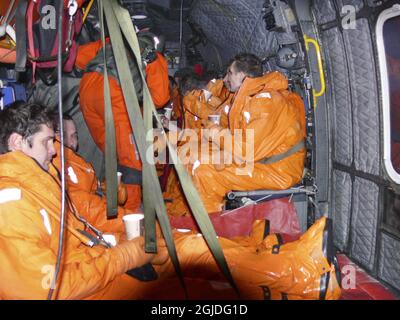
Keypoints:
(89, 6)
(321, 70)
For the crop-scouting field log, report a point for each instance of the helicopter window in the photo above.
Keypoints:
(388, 40)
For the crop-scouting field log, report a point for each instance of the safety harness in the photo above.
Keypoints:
(273, 159)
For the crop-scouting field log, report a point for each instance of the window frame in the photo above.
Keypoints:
(385, 15)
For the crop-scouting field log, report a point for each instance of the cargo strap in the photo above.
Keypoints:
(20, 30)
(188, 187)
(277, 247)
(117, 19)
(270, 160)
(130, 175)
(150, 180)
(110, 146)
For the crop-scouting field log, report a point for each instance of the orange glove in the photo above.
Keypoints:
(133, 254)
(162, 254)
(122, 193)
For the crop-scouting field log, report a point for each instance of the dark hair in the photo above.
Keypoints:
(180, 73)
(210, 75)
(56, 120)
(172, 81)
(249, 64)
(191, 82)
(66, 116)
(23, 118)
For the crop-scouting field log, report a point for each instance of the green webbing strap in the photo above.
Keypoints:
(135, 118)
(152, 195)
(189, 189)
(296, 148)
(110, 148)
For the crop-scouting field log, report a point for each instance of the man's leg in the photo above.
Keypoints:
(295, 269)
(129, 163)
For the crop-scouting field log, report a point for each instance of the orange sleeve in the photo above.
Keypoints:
(94, 209)
(215, 87)
(157, 81)
(28, 256)
(193, 104)
(86, 53)
(176, 99)
(271, 127)
(91, 95)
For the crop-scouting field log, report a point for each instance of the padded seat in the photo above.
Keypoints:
(298, 194)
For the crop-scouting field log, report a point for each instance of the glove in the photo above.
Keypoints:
(121, 192)
(131, 254)
(162, 254)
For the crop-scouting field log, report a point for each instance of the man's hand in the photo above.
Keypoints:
(142, 257)
(122, 194)
(162, 254)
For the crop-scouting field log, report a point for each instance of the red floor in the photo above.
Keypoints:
(358, 285)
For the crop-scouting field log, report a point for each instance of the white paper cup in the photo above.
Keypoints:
(119, 176)
(215, 118)
(168, 113)
(134, 225)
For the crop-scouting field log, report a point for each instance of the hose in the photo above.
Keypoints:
(61, 129)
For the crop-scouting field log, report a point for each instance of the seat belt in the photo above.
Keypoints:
(189, 189)
(152, 196)
(270, 160)
(110, 146)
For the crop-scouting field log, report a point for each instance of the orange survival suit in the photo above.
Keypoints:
(92, 105)
(197, 109)
(82, 187)
(275, 116)
(29, 231)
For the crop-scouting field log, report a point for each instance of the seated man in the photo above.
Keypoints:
(30, 204)
(201, 99)
(83, 184)
(265, 121)
(91, 94)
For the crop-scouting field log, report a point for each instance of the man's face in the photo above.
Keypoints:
(40, 146)
(70, 135)
(234, 79)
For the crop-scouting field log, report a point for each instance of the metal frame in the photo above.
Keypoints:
(387, 159)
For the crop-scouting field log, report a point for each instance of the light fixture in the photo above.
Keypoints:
(139, 17)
